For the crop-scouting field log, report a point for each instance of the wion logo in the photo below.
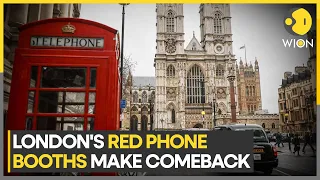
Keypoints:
(298, 22)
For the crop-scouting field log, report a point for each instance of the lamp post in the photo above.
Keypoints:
(309, 103)
(151, 114)
(122, 42)
(285, 110)
(157, 119)
(231, 77)
(214, 112)
(202, 99)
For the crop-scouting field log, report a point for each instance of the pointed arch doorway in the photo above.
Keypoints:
(198, 125)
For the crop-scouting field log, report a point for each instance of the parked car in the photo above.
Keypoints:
(265, 154)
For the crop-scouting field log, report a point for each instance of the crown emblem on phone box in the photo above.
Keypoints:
(68, 28)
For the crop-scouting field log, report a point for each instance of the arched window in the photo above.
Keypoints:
(170, 21)
(152, 96)
(219, 112)
(198, 125)
(135, 97)
(247, 91)
(171, 113)
(144, 123)
(195, 85)
(173, 116)
(134, 108)
(254, 91)
(144, 97)
(170, 71)
(263, 125)
(134, 123)
(273, 126)
(144, 109)
(220, 71)
(217, 25)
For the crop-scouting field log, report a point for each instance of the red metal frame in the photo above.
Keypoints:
(107, 107)
(40, 63)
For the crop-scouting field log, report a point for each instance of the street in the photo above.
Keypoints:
(289, 165)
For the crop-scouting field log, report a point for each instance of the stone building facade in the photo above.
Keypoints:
(297, 97)
(139, 95)
(191, 81)
(248, 78)
(16, 15)
(188, 79)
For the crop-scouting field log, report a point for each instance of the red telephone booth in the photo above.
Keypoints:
(65, 77)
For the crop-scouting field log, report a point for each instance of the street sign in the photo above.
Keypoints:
(123, 103)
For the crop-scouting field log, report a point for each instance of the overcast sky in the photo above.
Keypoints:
(259, 27)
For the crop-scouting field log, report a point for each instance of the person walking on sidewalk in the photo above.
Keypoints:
(279, 140)
(296, 143)
(307, 141)
(289, 137)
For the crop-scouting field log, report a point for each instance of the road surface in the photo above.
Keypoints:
(289, 165)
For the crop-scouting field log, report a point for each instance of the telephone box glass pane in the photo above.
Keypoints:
(55, 123)
(30, 102)
(61, 102)
(70, 126)
(29, 121)
(34, 74)
(92, 100)
(93, 77)
(73, 127)
(65, 77)
(90, 125)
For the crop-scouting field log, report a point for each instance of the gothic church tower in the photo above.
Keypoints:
(188, 79)
(248, 77)
(168, 64)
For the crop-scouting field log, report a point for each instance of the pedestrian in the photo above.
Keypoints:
(277, 139)
(289, 136)
(296, 143)
(307, 141)
(281, 139)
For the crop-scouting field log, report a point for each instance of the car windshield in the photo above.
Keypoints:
(258, 134)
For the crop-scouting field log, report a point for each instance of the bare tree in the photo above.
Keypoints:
(128, 65)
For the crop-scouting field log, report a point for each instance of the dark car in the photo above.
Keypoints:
(265, 155)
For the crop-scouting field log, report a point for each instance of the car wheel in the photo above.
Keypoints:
(268, 171)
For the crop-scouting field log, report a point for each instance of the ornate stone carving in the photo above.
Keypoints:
(171, 93)
(218, 38)
(222, 107)
(221, 93)
(171, 45)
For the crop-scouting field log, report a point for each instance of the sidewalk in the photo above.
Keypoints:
(305, 164)
(285, 150)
